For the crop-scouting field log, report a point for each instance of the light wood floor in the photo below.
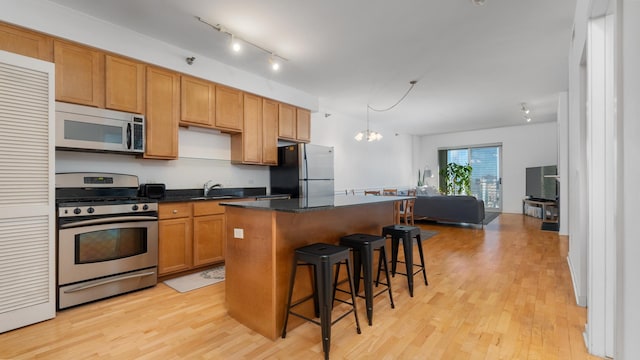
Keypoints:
(499, 293)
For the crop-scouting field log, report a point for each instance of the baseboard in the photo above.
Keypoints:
(581, 300)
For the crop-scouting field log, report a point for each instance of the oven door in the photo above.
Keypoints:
(94, 251)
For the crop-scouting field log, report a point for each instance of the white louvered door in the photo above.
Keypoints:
(27, 200)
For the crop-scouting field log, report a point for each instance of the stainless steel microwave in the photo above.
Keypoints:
(86, 128)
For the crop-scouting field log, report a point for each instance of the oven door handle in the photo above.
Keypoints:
(107, 281)
(108, 221)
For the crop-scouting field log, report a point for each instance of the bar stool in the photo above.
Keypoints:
(322, 257)
(406, 234)
(363, 246)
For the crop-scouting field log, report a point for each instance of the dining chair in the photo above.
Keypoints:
(372, 192)
(391, 192)
(406, 213)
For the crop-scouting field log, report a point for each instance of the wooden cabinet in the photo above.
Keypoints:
(124, 84)
(269, 132)
(79, 74)
(258, 142)
(294, 124)
(162, 113)
(208, 233)
(229, 109)
(287, 122)
(246, 147)
(25, 42)
(175, 244)
(191, 235)
(303, 125)
(197, 99)
(89, 77)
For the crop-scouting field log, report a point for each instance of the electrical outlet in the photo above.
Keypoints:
(238, 233)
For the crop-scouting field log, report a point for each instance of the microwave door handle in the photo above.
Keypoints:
(129, 136)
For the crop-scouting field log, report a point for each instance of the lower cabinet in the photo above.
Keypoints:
(191, 235)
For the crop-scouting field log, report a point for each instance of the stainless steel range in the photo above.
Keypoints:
(107, 237)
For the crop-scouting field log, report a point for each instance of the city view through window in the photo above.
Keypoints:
(485, 173)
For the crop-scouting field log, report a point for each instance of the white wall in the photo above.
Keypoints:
(522, 146)
(628, 252)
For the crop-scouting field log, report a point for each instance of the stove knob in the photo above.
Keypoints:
(77, 211)
(145, 207)
(134, 208)
(91, 210)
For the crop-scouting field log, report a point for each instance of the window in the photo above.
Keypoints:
(485, 173)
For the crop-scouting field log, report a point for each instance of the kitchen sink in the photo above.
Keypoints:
(219, 197)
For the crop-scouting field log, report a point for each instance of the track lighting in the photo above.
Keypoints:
(237, 43)
(525, 111)
(275, 64)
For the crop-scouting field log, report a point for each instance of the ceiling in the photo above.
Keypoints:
(474, 64)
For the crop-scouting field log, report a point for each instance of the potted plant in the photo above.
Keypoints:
(456, 179)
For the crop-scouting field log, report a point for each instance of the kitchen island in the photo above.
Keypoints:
(261, 239)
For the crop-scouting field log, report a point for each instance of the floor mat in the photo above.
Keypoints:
(197, 280)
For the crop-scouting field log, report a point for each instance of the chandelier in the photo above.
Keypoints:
(373, 135)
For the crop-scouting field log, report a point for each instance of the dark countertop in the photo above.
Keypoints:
(179, 195)
(301, 205)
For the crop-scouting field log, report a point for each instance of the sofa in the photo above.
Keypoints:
(455, 208)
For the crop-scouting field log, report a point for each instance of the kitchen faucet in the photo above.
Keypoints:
(208, 186)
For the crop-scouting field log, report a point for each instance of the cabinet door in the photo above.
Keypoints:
(163, 102)
(269, 132)
(174, 245)
(25, 42)
(229, 109)
(287, 122)
(79, 74)
(252, 133)
(303, 125)
(124, 84)
(208, 239)
(197, 98)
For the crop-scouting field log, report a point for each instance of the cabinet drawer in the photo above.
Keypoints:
(174, 210)
(207, 208)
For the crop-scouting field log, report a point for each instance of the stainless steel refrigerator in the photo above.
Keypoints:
(304, 170)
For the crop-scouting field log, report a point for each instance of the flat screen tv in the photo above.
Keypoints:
(540, 185)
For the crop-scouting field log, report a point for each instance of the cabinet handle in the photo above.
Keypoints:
(175, 211)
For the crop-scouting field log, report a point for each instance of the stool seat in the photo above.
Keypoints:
(322, 258)
(363, 246)
(406, 234)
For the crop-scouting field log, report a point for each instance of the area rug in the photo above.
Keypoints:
(197, 280)
(425, 234)
(489, 217)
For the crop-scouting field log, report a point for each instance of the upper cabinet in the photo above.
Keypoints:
(197, 98)
(251, 137)
(303, 125)
(89, 77)
(79, 74)
(269, 132)
(294, 124)
(162, 113)
(124, 80)
(287, 122)
(25, 42)
(229, 109)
